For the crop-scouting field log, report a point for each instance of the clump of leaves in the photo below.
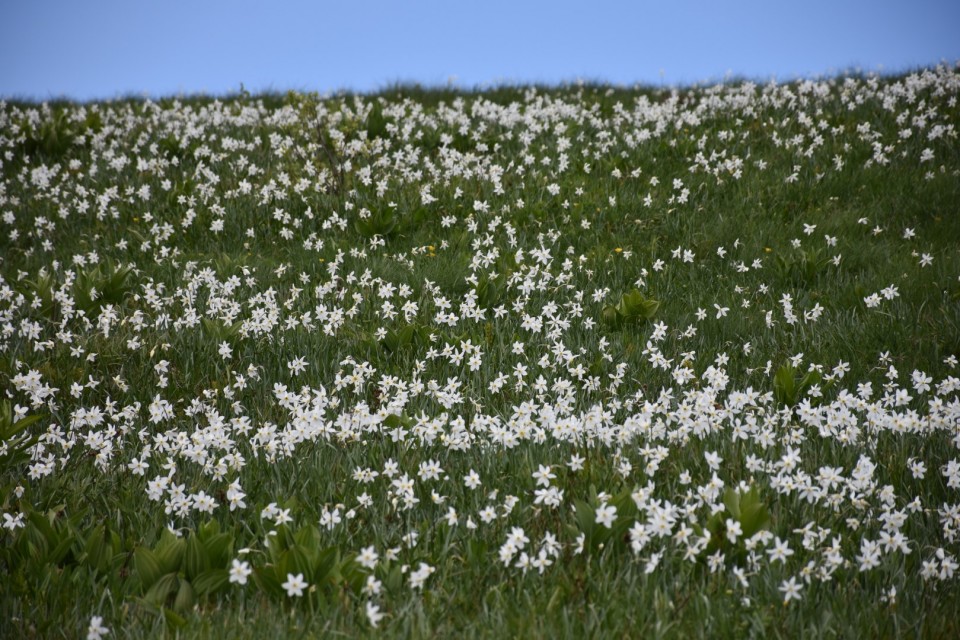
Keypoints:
(633, 308)
(219, 331)
(178, 571)
(408, 335)
(47, 561)
(597, 536)
(42, 288)
(802, 269)
(745, 508)
(382, 223)
(488, 293)
(52, 139)
(101, 285)
(323, 568)
(789, 385)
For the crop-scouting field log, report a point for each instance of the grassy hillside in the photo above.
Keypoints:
(533, 362)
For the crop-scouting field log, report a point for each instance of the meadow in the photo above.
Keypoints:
(578, 361)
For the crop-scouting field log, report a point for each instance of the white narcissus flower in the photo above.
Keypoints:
(294, 585)
(96, 630)
(373, 614)
(240, 571)
(606, 514)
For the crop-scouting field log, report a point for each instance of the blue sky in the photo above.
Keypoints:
(109, 48)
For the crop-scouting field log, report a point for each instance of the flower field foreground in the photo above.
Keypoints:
(534, 362)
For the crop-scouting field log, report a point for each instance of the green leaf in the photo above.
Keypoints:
(148, 567)
(208, 529)
(754, 513)
(326, 561)
(212, 581)
(393, 581)
(785, 386)
(276, 546)
(96, 550)
(586, 517)
(20, 425)
(813, 377)
(195, 558)
(297, 560)
(62, 549)
(308, 536)
(173, 619)
(186, 597)
(631, 304)
(44, 527)
(219, 549)
(157, 594)
(611, 317)
(648, 309)
(266, 579)
(731, 499)
(170, 551)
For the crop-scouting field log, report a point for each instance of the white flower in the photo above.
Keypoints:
(11, 523)
(780, 552)
(734, 530)
(96, 630)
(791, 590)
(373, 614)
(418, 577)
(294, 585)
(368, 557)
(240, 571)
(606, 515)
(471, 480)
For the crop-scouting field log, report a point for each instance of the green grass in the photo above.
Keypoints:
(179, 274)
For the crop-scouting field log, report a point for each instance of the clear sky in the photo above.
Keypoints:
(87, 49)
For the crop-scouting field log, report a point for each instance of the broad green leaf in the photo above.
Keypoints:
(195, 558)
(43, 525)
(308, 536)
(170, 552)
(784, 385)
(731, 499)
(186, 597)
(266, 579)
(174, 620)
(20, 425)
(96, 549)
(297, 560)
(148, 566)
(157, 594)
(326, 561)
(393, 581)
(59, 552)
(219, 549)
(586, 517)
(212, 581)
(612, 317)
(813, 377)
(208, 530)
